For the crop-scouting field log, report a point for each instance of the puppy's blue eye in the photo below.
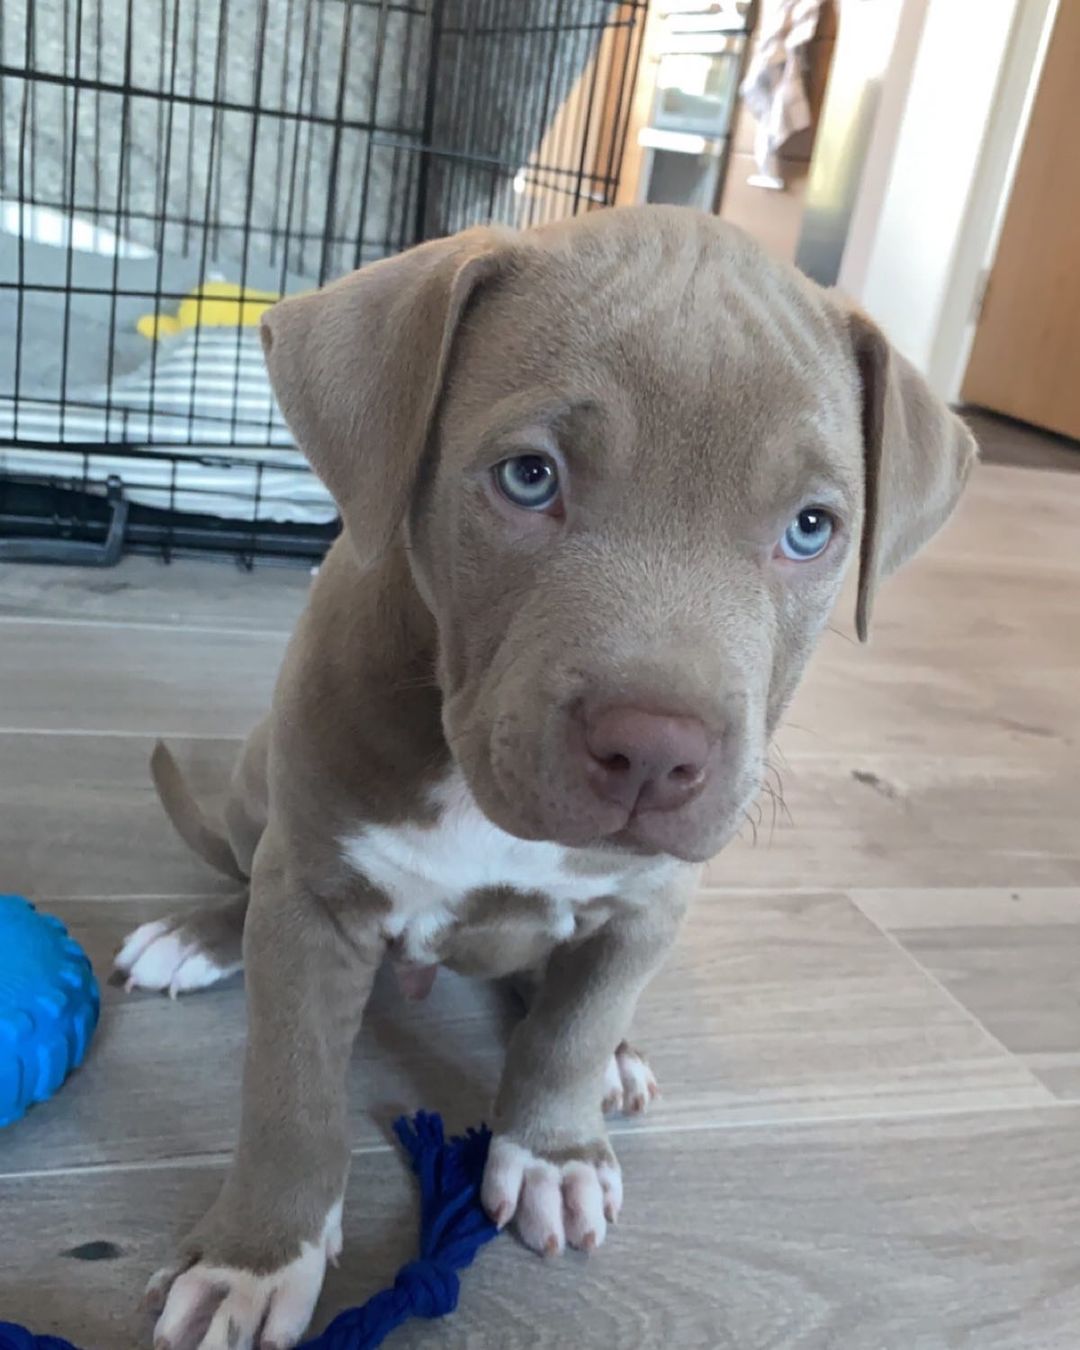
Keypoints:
(529, 481)
(807, 535)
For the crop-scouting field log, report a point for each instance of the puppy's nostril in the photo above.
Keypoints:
(616, 763)
(686, 773)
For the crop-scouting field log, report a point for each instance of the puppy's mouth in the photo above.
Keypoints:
(691, 836)
(655, 834)
(630, 840)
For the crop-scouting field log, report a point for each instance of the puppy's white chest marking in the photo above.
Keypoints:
(428, 870)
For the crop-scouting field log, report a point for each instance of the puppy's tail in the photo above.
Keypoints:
(188, 818)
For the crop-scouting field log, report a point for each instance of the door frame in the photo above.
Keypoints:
(932, 313)
(981, 230)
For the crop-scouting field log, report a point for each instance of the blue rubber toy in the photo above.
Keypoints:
(49, 1005)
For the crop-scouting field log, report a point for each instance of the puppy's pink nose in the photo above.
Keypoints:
(645, 759)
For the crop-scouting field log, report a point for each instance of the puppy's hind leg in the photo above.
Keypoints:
(184, 952)
(629, 1083)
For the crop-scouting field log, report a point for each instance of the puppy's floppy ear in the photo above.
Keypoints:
(358, 370)
(917, 456)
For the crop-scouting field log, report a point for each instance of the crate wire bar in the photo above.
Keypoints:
(170, 167)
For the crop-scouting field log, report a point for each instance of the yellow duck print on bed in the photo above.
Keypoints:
(214, 304)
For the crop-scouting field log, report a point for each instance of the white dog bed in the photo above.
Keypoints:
(202, 394)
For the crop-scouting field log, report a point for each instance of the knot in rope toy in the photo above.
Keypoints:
(429, 1290)
(453, 1228)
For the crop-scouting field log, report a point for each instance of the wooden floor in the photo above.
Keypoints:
(868, 1038)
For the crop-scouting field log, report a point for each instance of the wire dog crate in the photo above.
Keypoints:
(168, 168)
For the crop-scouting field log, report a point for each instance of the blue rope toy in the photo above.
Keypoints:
(453, 1228)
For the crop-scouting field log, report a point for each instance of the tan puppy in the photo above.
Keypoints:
(600, 482)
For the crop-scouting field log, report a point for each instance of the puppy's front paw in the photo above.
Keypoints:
(629, 1084)
(554, 1201)
(210, 1306)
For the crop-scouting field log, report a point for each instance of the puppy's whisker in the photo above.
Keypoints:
(780, 799)
(778, 751)
(427, 680)
(772, 817)
(775, 794)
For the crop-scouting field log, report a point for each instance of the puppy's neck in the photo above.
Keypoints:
(358, 700)
(367, 627)
(390, 605)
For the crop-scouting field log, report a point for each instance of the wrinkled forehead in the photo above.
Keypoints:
(714, 360)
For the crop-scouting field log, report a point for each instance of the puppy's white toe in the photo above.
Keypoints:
(136, 943)
(553, 1205)
(613, 1090)
(583, 1206)
(504, 1174)
(539, 1216)
(222, 1308)
(158, 956)
(629, 1083)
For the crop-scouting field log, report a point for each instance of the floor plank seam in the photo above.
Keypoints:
(146, 626)
(929, 1113)
(125, 734)
(182, 1161)
(952, 998)
(119, 896)
(789, 1124)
